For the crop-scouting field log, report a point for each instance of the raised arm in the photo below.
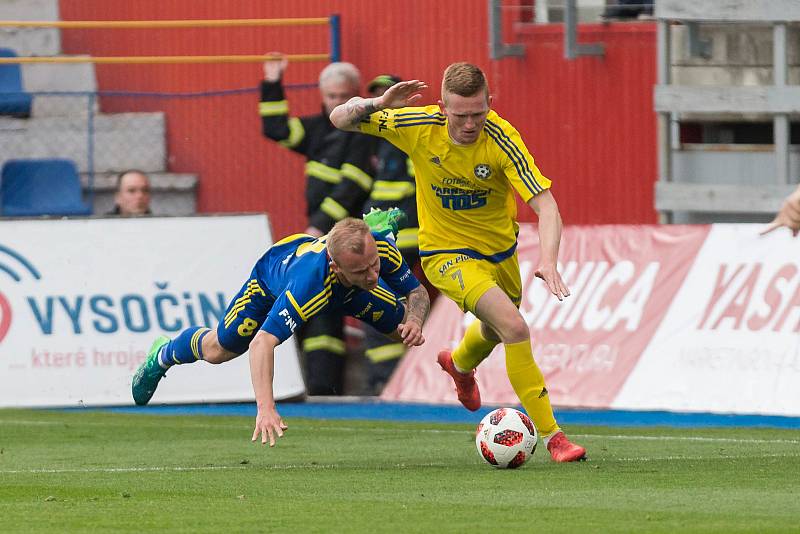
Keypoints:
(544, 204)
(347, 116)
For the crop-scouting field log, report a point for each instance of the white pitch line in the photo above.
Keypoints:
(204, 468)
(688, 438)
(122, 469)
(691, 458)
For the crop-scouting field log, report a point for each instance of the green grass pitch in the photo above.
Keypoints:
(103, 471)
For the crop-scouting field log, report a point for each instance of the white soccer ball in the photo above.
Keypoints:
(506, 438)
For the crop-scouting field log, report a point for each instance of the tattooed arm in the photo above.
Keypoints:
(417, 307)
(347, 116)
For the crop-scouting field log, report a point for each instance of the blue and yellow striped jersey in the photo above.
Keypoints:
(296, 273)
(465, 196)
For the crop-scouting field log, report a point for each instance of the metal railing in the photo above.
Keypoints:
(333, 22)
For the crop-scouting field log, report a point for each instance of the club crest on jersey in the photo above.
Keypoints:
(482, 171)
(436, 161)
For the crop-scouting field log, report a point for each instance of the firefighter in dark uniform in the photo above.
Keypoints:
(394, 186)
(338, 181)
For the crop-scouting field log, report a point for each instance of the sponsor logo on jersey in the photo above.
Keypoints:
(288, 319)
(457, 199)
(482, 171)
(449, 263)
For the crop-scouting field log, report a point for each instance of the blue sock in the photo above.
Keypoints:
(186, 348)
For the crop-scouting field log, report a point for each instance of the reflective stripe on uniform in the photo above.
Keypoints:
(328, 343)
(271, 109)
(333, 209)
(387, 190)
(323, 172)
(408, 238)
(357, 175)
(391, 351)
(296, 133)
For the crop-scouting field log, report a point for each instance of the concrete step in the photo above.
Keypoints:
(30, 41)
(120, 141)
(38, 78)
(171, 193)
(55, 77)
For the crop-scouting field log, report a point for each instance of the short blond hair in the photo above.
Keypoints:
(463, 79)
(347, 235)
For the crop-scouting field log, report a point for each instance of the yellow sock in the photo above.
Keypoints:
(528, 383)
(473, 349)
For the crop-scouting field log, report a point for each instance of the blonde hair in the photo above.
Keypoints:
(463, 79)
(341, 71)
(347, 235)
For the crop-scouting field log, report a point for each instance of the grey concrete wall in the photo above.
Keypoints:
(121, 140)
(741, 54)
(30, 41)
(55, 77)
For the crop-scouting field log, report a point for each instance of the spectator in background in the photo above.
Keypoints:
(789, 214)
(338, 180)
(393, 187)
(132, 196)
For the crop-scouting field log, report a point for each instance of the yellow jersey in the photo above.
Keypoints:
(465, 199)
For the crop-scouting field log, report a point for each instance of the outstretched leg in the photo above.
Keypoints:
(245, 313)
(193, 344)
(500, 313)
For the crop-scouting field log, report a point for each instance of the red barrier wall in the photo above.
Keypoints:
(588, 122)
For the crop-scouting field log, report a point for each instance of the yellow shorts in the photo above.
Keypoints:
(464, 280)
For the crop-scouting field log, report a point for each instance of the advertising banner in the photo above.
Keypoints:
(689, 318)
(82, 300)
(730, 341)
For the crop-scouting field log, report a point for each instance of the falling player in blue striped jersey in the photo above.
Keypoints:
(352, 269)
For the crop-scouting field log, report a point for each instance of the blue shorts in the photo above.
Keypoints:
(249, 308)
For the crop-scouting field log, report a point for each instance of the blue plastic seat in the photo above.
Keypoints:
(13, 98)
(32, 187)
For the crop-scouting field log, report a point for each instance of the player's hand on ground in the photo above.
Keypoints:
(401, 94)
(273, 68)
(552, 278)
(269, 425)
(788, 216)
(411, 333)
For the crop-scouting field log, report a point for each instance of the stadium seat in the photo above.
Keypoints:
(14, 100)
(41, 187)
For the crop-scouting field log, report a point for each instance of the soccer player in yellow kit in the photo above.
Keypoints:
(468, 161)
